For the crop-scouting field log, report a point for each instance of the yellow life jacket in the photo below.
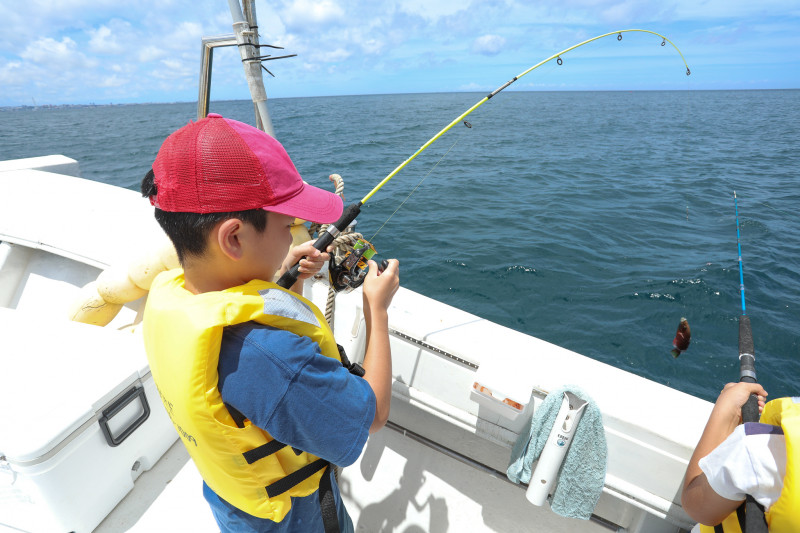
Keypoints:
(182, 332)
(784, 515)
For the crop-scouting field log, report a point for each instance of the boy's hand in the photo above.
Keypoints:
(734, 396)
(379, 288)
(311, 259)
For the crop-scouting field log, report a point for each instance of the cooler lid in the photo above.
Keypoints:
(55, 377)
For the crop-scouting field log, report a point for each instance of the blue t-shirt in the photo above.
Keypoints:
(283, 384)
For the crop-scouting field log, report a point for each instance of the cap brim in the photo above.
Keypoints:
(312, 204)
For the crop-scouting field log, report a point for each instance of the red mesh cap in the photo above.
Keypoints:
(218, 165)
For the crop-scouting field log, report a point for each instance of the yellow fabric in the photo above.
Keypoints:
(729, 525)
(183, 334)
(784, 515)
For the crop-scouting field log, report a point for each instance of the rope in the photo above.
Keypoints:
(341, 245)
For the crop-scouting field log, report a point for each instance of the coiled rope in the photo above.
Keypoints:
(342, 244)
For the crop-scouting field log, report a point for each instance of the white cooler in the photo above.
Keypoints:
(80, 419)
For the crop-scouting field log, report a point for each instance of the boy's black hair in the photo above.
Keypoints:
(189, 231)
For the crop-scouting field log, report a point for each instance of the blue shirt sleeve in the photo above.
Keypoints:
(283, 384)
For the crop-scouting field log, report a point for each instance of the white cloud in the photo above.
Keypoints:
(184, 36)
(60, 55)
(473, 87)
(113, 81)
(102, 40)
(109, 38)
(433, 10)
(372, 46)
(150, 53)
(302, 15)
(11, 73)
(332, 56)
(173, 69)
(488, 44)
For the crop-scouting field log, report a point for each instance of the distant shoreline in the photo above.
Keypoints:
(64, 106)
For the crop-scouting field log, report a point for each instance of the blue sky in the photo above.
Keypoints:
(107, 51)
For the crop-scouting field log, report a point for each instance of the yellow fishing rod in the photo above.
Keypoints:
(351, 212)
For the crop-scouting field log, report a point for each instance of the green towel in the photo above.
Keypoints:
(583, 472)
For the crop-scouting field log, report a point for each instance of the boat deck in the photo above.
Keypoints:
(396, 485)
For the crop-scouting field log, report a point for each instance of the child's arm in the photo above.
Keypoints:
(698, 499)
(378, 290)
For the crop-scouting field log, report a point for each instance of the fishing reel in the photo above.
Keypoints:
(350, 272)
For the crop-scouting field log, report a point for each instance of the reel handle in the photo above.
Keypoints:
(350, 213)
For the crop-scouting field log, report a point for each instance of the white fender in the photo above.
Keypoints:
(145, 270)
(116, 287)
(90, 308)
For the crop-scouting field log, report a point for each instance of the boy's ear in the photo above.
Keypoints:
(228, 237)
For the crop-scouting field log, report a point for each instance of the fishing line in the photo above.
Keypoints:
(290, 277)
(784, 213)
(415, 188)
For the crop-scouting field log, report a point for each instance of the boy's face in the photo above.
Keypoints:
(271, 246)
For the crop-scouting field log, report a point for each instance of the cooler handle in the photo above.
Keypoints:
(119, 405)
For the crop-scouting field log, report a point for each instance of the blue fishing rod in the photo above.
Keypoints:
(747, 358)
(754, 513)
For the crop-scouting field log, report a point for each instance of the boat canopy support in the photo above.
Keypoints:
(245, 37)
(206, 60)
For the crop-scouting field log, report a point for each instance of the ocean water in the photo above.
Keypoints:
(593, 220)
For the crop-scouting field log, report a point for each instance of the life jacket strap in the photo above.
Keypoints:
(262, 451)
(238, 417)
(741, 515)
(296, 477)
(327, 504)
(353, 368)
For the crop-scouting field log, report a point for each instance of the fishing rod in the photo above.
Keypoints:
(754, 514)
(289, 278)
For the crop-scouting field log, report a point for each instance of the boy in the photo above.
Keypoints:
(249, 372)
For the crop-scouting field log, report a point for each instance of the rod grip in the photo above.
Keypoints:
(747, 368)
(750, 409)
(350, 213)
(746, 337)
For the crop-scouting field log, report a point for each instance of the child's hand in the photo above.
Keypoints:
(735, 395)
(379, 288)
(311, 259)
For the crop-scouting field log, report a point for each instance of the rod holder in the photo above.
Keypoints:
(555, 449)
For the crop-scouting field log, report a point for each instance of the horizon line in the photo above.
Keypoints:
(93, 104)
